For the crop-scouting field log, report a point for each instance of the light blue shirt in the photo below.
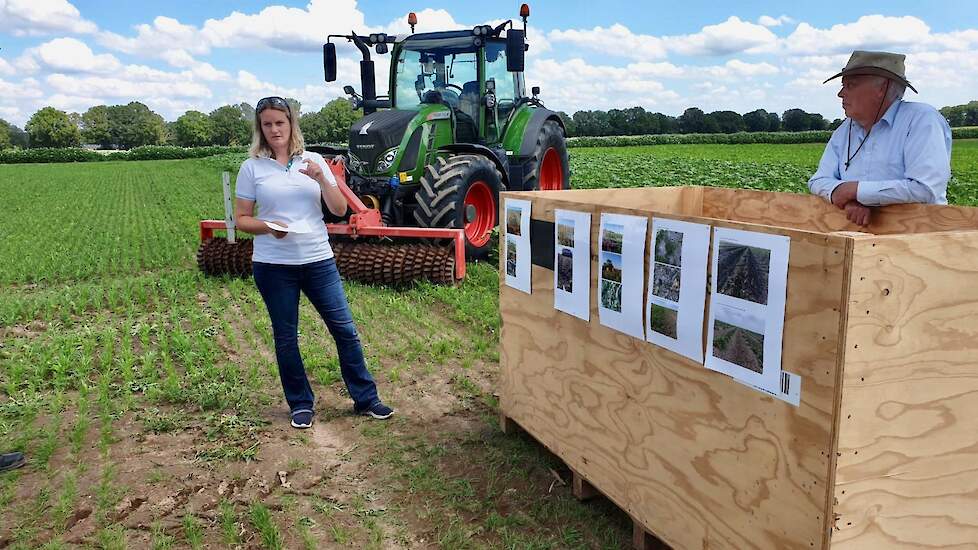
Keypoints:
(907, 158)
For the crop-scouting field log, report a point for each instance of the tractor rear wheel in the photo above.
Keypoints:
(461, 191)
(548, 169)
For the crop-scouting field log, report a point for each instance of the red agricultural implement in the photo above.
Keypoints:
(366, 249)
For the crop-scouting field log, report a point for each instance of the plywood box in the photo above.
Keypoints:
(881, 323)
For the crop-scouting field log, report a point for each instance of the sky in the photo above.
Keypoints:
(178, 55)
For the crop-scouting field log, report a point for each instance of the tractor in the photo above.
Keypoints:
(424, 167)
(456, 129)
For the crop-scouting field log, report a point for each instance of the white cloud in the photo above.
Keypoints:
(161, 36)
(6, 68)
(736, 68)
(731, 36)
(289, 29)
(69, 55)
(769, 21)
(41, 17)
(616, 40)
(575, 85)
(872, 32)
(125, 88)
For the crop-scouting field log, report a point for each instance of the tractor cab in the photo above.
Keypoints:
(468, 74)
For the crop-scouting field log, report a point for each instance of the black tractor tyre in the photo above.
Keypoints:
(461, 192)
(551, 137)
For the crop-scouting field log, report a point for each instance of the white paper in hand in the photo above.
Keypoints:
(301, 226)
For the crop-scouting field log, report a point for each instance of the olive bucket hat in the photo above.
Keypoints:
(885, 64)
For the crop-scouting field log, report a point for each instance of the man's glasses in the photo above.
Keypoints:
(276, 101)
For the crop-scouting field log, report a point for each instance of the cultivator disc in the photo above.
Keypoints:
(394, 263)
(217, 256)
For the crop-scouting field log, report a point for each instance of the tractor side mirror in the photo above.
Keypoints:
(329, 61)
(535, 91)
(514, 50)
(348, 90)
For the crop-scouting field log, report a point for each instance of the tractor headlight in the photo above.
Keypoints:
(387, 160)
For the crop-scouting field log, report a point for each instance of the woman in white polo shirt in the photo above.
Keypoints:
(287, 183)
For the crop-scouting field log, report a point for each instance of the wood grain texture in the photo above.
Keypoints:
(812, 213)
(908, 435)
(696, 458)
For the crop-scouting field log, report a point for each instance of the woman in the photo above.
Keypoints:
(288, 182)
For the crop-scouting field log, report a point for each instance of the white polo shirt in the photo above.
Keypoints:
(285, 194)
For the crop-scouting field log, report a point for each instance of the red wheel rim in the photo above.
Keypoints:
(478, 230)
(551, 176)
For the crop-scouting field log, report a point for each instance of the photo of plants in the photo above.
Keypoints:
(565, 233)
(742, 271)
(663, 320)
(511, 257)
(669, 247)
(513, 218)
(565, 270)
(666, 280)
(612, 237)
(738, 345)
(611, 295)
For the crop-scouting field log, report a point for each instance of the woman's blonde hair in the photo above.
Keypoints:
(259, 145)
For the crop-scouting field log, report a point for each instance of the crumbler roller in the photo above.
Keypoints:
(366, 250)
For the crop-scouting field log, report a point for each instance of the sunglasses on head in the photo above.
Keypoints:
(271, 101)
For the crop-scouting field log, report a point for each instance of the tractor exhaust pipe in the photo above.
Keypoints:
(367, 78)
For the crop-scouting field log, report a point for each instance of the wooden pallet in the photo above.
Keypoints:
(582, 489)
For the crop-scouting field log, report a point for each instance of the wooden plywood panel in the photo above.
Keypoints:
(697, 458)
(908, 435)
(812, 213)
(673, 200)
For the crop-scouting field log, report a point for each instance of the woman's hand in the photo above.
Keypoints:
(276, 233)
(314, 171)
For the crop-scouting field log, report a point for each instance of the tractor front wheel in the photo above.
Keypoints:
(461, 192)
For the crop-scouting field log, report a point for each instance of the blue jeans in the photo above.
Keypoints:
(279, 286)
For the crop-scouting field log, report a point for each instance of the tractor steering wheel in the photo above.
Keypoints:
(454, 86)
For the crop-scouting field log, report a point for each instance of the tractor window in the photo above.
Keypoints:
(436, 71)
(506, 88)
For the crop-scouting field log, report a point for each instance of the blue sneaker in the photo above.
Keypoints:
(378, 410)
(302, 419)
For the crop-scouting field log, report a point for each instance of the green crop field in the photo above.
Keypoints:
(148, 402)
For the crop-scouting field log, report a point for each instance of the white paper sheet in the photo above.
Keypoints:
(746, 324)
(517, 246)
(301, 226)
(572, 263)
(680, 252)
(621, 272)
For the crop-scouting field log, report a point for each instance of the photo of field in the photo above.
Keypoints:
(565, 233)
(511, 257)
(742, 271)
(611, 295)
(669, 247)
(565, 270)
(612, 237)
(611, 267)
(513, 218)
(666, 281)
(663, 320)
(738, 338)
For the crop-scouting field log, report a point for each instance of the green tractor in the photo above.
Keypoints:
(456, 129)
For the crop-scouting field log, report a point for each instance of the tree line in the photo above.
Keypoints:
(638, 121)
(134, 124)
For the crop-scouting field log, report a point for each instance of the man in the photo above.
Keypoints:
(887, 151)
